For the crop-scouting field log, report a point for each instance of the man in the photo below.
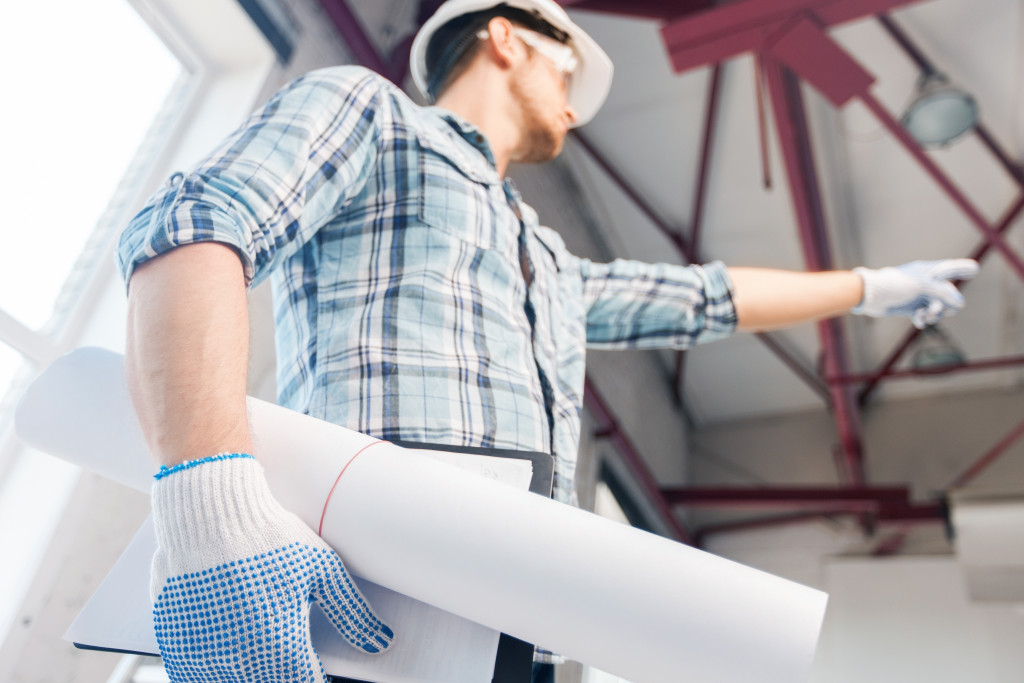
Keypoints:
(416, 297)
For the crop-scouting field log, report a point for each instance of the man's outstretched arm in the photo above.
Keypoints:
(767, 299)
(922, 290)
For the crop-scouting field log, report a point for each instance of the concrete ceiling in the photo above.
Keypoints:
(881, 208)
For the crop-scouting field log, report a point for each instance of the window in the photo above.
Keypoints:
(615, 499)
(10, 362)
(86, 111)
(88, 100)
(105, 99)
(85, 103)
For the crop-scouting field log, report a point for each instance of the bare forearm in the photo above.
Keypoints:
(767, 299)
(187, 352)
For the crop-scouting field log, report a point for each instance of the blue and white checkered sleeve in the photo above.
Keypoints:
(273, 182)
(633, 305)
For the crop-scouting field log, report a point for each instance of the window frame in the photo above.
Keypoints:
(224, 73)
(221, 80)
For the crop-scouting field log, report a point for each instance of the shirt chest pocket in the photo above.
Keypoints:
(454, 195)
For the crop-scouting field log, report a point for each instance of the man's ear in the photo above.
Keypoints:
(502, 43)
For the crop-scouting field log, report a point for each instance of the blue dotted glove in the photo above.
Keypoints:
(922, 290)
(234, 576)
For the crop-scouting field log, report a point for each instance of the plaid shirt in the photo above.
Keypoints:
(402, 304)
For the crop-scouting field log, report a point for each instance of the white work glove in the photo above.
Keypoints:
(921, 290)
(234, 576)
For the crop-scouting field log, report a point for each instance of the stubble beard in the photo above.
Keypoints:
(543, 140)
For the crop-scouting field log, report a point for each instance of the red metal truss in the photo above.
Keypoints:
(707, 139)
(926, 66)
(790, 39)
(794, 138)
(648, 9)
(687, 256)
(992, 236)
(354, 34)
(977, 365)
(1013, 168)
(790, 36)
(804, 503)
(927, 513)
(676, 237)
(746, 26)
(700, 190)
(799, 45)
(610, 429)
(886, 370)
(361, 44)
(793, 497)
(988, 458)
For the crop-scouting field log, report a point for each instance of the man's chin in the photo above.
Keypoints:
(544, 148)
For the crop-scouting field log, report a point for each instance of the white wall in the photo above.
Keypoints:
(908, 619)
(890, 619)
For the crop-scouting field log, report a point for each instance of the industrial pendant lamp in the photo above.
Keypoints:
(935, 352)
(939, 112)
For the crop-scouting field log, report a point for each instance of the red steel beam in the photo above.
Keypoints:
(697, 217)
(680, 242)
(610, 429)
(649, 9)
(1013, 168)
(814, 497)
(908, 514)
(992, 236)
(701, 534)
(355, 35)
(399, 62)
(707, 139)
(979, 254)
(358, 40)
(988, 364)
(927, 68)
(988, 458)
(744, 26)
(811, 379)
(686, 253)
(794, 137)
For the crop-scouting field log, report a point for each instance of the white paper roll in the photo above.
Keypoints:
(625, 601)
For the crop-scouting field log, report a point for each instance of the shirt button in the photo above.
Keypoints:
(479, 139)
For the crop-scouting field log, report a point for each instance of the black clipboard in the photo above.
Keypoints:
(514, 661)
(543, 463)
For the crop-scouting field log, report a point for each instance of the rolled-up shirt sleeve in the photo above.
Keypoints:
(274, 182)
(642, 306)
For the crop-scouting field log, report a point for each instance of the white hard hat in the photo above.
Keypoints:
(590, 82)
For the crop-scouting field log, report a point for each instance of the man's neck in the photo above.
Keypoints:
(483, 102)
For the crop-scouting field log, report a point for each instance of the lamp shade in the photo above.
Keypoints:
(940, 112)
(935, 351)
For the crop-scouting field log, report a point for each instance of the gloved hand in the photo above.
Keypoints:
(234, 576)
(921, 290)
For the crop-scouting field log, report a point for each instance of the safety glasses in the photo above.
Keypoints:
(561, 55)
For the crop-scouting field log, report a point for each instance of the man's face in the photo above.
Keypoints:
(540, 86)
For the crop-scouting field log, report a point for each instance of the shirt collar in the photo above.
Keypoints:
(468, 131)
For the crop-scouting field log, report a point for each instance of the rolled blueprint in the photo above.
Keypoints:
(625, 601)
